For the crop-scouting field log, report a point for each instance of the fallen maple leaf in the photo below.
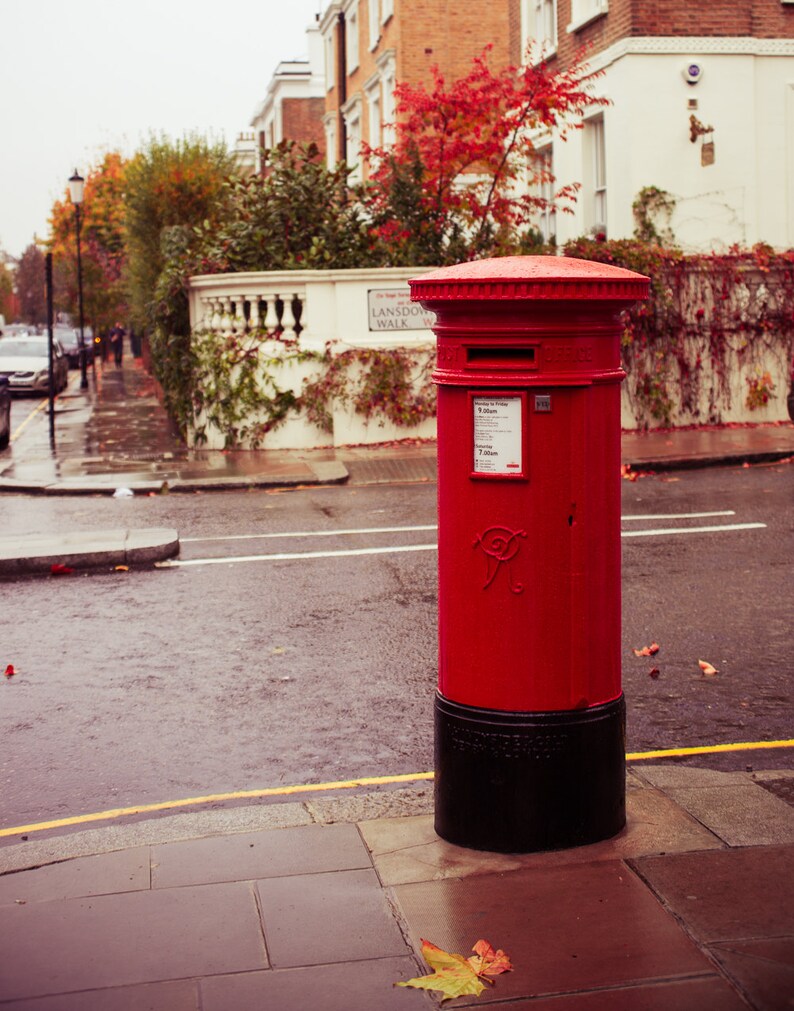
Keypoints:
(706, 667)
(648, 650)
(654, 672)
(10, 672)
(456, 976)
(121, 568)
(60, 570)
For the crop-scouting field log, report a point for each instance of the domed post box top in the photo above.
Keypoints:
(522, 278)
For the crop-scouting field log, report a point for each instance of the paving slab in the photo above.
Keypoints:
(104, 874)
(566, 929)
(408, 849)
(727, 894)
(362, 986)
(314, 919)
(136, 937)
(309, 849)
(741, 815)
(763, 969)
(117, 835)
(176, 995)
(705, 994)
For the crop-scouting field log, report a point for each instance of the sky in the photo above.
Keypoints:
(82, 77)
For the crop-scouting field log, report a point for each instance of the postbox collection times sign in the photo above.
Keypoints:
(498, 435)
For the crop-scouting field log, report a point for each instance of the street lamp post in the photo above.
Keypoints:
(76, 183)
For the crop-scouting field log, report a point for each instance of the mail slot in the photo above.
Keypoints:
(529, 713)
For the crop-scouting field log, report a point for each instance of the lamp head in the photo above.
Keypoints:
(76, 184)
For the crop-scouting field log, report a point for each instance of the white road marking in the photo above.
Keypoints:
(312, 533)
(679, 516)
(403, 548)
(412, 529)
(665, 531)
(297, 555)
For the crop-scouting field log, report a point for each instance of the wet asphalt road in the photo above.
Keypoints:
(155, 684)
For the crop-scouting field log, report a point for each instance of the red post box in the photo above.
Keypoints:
(530, 716)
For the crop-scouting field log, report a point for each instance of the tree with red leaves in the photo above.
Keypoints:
(463, 177)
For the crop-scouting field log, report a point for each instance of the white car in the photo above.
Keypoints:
(25, 361)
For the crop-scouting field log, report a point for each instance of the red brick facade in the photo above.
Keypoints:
(301, 120)
(764, 19)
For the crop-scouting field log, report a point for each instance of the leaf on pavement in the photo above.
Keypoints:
(648, 650)
(707, 668)
(654, 672)
(121, 568)
(60, 570)
(10, 672)
(456, 976)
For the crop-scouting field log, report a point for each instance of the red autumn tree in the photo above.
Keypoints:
(463, 178)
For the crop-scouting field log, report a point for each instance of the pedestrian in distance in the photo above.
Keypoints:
(117, 343)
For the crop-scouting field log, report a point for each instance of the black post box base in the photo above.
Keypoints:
(522, 782)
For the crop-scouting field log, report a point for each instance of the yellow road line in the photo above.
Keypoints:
(708, 749)
(348, 784)
(20, 428)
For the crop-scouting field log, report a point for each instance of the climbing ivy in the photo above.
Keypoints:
(707, 314)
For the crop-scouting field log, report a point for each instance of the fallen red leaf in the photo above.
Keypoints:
(648, 650)
(10, 672)
(456, 976)
(654, 672)
(61, 570)
(707, 668)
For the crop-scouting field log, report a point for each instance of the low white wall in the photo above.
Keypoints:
(358, 309)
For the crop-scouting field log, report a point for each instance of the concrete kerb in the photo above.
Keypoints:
(320, 472)
(35, 553)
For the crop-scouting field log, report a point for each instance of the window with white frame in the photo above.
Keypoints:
(375, 114)
(374, 23)
(351, 38)
(352, 116)
(388, 78)
(595, 174)
(547, 217)
(539, 27)
(330, 140)
(583, 11)
(386, 10)
(330, 69)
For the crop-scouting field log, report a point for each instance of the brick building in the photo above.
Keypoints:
(294, 104)
(370, 45)
(702, 108)
(702, 100)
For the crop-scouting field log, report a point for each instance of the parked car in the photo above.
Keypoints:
(5, 413)
(24, 361)
(70, 338)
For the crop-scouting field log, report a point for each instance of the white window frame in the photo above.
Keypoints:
(330, 62)
(387, 10)
(373, 92)
(374, 24)
(595, 172)
(351, 38)
(387, 65)
(351, 112)
(547, 224)
(539, 26)
(585, 11)
(329, 124)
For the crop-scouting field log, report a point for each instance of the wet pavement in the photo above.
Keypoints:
(321, 904)
(690, 908)
(117, 435)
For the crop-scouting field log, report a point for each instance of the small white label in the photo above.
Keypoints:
(497, 435)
